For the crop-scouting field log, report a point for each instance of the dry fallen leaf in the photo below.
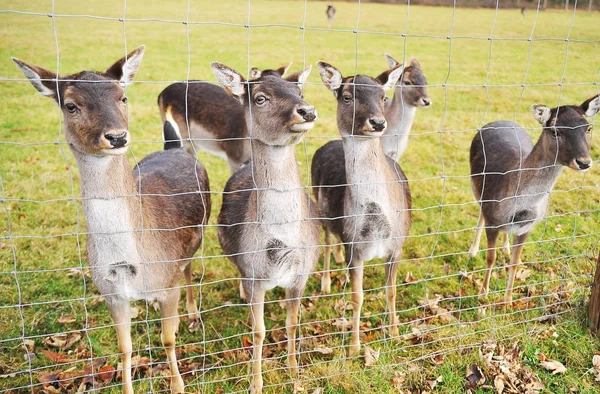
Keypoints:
(398, 380)
(62, 341)
(474, 377)
(371, 357)
(323, 349)
(595, 370)
(556, 367)
(56, 358)
(64, 319)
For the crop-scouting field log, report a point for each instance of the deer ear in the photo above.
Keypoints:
(255, 73)
(124, 69)
(541, 113)
(415, 63)
(389, 78)
(392, 63)
(300, 77)
(591, 106)
(41, 79)
(232, 81)
(284, 69)
(330, 76)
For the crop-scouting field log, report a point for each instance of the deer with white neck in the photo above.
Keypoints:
(265, 224)
(370, 212)
(410, 93)
(143, 226)
(512, 179)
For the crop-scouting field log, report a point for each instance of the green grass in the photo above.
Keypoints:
(473, 80)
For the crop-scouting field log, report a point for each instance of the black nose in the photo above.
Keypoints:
(117, 140)
(378, 124)
(426, 102)
(307, 113)
(583, 165)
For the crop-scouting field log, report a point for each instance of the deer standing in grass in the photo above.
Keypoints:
(512, 179)
(331, 11)
(409, 94)
(143, 226)
(370, 212)
(266, 224)
(205, 117)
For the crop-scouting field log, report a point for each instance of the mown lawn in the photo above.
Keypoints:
(481, 65)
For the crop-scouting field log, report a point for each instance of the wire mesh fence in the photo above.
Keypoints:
(481, 65)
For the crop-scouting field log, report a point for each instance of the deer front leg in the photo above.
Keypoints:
(293, 307)
(391, 271)
(190, 302)
(169, 324)
(326, 277)
(356, 279)
(121, 314)
(515, 260)
(474, 249)
(506, 245)
(257, 304)
(492, 237)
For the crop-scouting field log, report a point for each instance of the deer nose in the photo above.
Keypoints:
(307, 113)
(117, 140)
(426, 101)
(584, 164)
(378, 124)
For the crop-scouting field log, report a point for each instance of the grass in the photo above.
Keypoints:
(481, 65)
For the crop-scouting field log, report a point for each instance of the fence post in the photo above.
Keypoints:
(594, 308)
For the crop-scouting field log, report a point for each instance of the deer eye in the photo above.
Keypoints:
(260, 100)
(407, 83)
(71, 107)
(589, 129)
(124, 100)
(347, 98)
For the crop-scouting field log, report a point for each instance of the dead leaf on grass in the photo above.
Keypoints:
(323, 349)
(371, 356)
(556, 367)
(62, 341)
(57, 358)
(474, 377)
(65, 319)
(595, 370)
(398, 380)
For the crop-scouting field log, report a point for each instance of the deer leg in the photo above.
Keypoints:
(169, 325)
(506, 245)
(338, 253)
(121, 315)
(190, 302)
(391, 271)
(257, 311)
(492, 237)
(515, 260)
(474, 249)
(326, 277)
(356, 279)
(242, 292)
(293, 307)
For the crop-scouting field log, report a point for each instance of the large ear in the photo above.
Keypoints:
(301, 76)
(41, 79)
(541, 113)
(415, 63)
(255, 73)
(124, 69)
(591, 106)
(284, 69)
(232, 81)
(388, 79)
(330, 76)
(392, 63)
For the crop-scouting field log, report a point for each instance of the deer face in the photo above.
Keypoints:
(360, 100)
(412, 86)
(93, 103)
(276, 112)
(568, 133)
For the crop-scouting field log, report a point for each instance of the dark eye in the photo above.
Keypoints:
(260, 100)
(347, 98)
(124, 100)
(71, 107)
(589, 129)
(407, 83)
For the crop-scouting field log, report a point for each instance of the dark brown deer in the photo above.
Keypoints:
(331, 11)
(409, 94)
(512, 178)
(143, 226)
(204, 117)
(265, 225)
(370, 212)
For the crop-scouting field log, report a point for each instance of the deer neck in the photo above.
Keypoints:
(365, 164)
(111, 206)
(400, 116)
(277, 178)
(541, 169)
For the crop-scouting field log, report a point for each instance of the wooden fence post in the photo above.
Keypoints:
(594, 308)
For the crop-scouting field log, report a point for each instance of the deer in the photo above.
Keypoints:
(512, 178)
(331, 11)
(362, 194)
(268, 226)
(206, 118)
(409, 94)
(144, 225)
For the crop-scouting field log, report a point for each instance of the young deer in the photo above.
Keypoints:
(265, 225)
(215, 119)
(143, 227)
(409, 94)
(371, 211)
(512, 179)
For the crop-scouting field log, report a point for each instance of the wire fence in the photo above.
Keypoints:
(481, 65)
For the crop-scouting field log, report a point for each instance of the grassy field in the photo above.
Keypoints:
(481, 65)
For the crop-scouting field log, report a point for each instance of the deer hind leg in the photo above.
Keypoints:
(256, 298)
(121, 315)
(356, 279)
(391, 272)
(326, 277)
(492, 237)
(515, 260)
(169, 324)
(190, 302)
(338, 253)
(293, 308)
(474, 249)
